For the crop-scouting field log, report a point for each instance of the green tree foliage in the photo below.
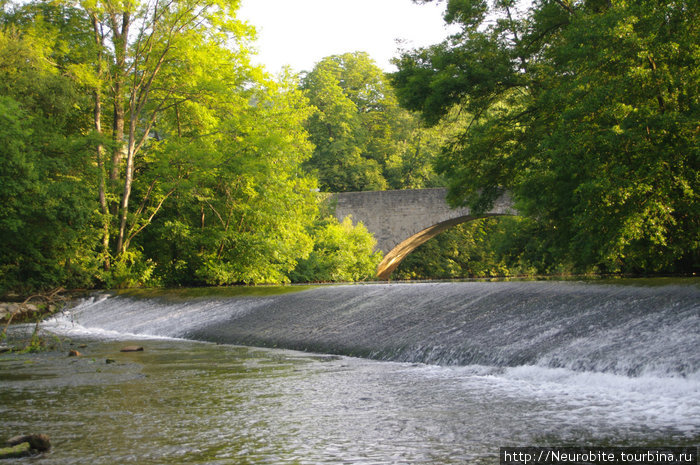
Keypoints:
(342, 252)
(489, 247)
(242, 214)
(47, 212)
(166, 70)
(586, 111)
(140, 146)
(363, 139)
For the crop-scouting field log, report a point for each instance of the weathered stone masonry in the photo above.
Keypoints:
(401, 220)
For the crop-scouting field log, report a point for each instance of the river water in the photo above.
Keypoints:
(439, 373)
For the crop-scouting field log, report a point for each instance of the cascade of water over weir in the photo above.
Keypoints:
(619, 329)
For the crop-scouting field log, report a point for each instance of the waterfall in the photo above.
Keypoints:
(629, 330)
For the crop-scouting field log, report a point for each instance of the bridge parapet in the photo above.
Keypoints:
(401, 220)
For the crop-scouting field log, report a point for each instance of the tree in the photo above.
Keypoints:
(363, 139)
(139, 137)
(337, 130)
(182, 158)
(151, 62)
(586, 111)
(46, 217)
(243, 213)
(488, 247)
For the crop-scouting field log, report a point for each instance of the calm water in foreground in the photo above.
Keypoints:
(182, 401)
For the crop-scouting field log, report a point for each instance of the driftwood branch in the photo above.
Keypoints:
(49, 298)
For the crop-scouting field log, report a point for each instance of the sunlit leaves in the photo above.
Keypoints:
(342, 252)
(363, 139)
(46, 213)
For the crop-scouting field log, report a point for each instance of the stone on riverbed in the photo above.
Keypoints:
(20, 311)
(25, 445)
(132, 349)
(23, 449)
(38, 442)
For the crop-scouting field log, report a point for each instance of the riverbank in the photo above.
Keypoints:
(33, 308)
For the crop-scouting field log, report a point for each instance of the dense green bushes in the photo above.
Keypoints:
(342, 252)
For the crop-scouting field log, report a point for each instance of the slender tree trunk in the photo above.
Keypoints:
(128, 178)
(117, 131)
(177, 118)
(120, 23)
(102, 174)
(100, 148)
(659, 95)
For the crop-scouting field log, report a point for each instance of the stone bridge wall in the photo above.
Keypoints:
(393, 216)
(401, 220)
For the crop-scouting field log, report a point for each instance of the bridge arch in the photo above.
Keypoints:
(401, 220)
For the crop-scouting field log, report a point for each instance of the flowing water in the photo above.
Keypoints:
(439, 373)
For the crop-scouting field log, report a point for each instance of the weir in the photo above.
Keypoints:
(622, 330)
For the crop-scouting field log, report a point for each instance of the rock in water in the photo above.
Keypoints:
(38, 442)
(132, 349)
(74, 353)
(23, 449)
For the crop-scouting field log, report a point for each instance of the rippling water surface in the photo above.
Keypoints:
(183, 401)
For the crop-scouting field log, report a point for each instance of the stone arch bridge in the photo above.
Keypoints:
(401, 220)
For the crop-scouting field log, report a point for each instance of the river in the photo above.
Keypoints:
(434, 373)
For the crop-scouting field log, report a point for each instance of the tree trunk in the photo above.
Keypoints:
(120, 23)
(128, 178)
(117, 131)
(100, 148)
(102, 174)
